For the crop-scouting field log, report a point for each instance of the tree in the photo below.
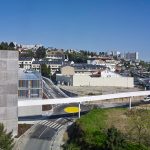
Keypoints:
(45, 71)
(6, 140)
(4, 45)
(11, 45)
(115, 140)
(40, 52)
(139, 129)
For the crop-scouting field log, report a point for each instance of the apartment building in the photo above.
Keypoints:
(29, 87)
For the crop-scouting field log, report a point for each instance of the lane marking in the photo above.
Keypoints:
(43, 132)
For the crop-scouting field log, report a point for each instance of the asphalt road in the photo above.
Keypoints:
(51, 90)
(42, 133)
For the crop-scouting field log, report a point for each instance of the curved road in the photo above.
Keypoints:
(41, 134)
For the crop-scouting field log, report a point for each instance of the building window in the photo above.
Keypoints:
(34, 93)
(23, 83)
(23, 93)
(35, 84)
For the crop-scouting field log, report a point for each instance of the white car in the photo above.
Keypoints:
(147, 99)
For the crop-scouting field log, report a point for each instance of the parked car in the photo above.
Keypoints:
(146, 99)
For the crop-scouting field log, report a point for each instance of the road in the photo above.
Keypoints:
(42, 133)
(51, 90)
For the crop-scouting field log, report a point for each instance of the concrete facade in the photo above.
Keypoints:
(87, 80)
(9, 90)
(67, 70)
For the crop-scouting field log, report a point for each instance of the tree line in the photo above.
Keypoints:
(7, 46)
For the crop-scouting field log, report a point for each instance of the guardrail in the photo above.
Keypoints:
(81, 99)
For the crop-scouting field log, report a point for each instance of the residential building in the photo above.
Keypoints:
(103, 61)
(54, 66)
(54, 55)
(26, 62)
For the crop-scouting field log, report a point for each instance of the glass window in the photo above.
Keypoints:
(23, 93)
(35, 84)
(34, 93)
(23, 83)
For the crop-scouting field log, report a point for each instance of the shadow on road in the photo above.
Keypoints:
(56, 116)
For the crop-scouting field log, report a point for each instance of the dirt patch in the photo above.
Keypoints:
(22, 128)
(96, 90)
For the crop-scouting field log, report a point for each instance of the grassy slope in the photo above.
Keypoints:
(87, 129)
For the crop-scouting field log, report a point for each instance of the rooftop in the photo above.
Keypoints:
(28, 75)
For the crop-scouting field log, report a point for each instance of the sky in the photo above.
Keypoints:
(94, 25)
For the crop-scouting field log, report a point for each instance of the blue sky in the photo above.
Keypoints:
(98, 25)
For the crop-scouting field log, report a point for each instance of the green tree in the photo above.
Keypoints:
(139, 129)
(6, 140)
(40, 52)
(11, 45)
(115, 139)
(45, 71)
(4, 46)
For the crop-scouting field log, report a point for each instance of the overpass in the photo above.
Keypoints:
(80, 100)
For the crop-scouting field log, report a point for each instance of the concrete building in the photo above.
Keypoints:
(133, 56)
(29, 87)
(9, 89)
(99, 78)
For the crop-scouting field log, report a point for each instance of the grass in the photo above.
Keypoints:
(89, 131)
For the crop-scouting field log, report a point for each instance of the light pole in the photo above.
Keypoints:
(79, 110)
(130, 102)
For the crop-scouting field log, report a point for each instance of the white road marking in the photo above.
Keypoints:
(58, 126)
(53, 125)
(44, 122)
(49, 124)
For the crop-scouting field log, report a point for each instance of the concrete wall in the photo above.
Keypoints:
(9, 90)
(67, 70)
(86, 80)
(29, 111)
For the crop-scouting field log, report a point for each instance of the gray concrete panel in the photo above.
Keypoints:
(9, 90)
